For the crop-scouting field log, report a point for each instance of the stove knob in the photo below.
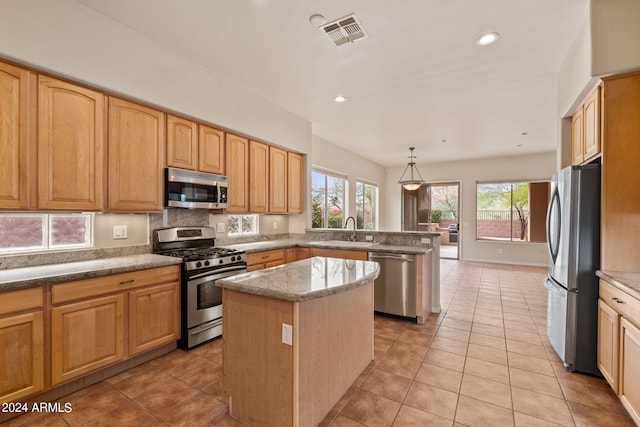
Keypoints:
(221, 262)
(198, 264)
(233, 258)
(239, 258)
(206, 263)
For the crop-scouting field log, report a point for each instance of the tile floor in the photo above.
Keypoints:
(485, 360)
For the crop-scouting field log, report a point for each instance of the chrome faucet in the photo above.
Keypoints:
(352, 237)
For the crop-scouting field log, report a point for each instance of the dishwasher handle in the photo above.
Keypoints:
(394, 257)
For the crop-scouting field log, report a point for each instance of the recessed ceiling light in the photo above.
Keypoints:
(317, 19)
(487, 39)
(339, 98)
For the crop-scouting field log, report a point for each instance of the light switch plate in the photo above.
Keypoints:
(368, 238)
(287, 334)
(119, 231)
(425, 240)
(220, 227)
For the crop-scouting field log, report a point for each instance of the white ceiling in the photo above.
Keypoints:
(418, 78)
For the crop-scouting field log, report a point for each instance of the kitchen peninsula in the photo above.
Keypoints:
(295, 338)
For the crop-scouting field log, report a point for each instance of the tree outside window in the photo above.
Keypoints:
(327, 200)
(366, 206)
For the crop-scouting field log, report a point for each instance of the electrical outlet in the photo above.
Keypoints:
(287, 334)
(220, 227)
(501, 251)
(275, 225)
(425, 240)
(119, 231)
(368, 238)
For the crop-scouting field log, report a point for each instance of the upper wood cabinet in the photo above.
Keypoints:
(211, 150)
(294, 183)
(18, 102)
(237, 166)
(136, 157)
(71, 146)
(182, 143)
(277, 180)
(258, 177)
(585, 128)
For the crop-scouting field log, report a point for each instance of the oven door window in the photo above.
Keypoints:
(209, 295)
(186, 192)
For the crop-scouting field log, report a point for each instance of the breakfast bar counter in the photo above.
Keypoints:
(295, 338)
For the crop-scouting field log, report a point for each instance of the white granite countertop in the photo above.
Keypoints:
(627, 282)
(329, 244)
(306, 279)
(18, 278)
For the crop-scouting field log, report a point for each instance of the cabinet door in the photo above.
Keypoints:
(277, 180)
(18, 100)
(630, 368)
(237, 165)
(211, 151)
(182, 143)
(71, 146)
(22, 355)
(303, 253)
(154, 317)
(577, 138)
(86, 336)
(136, 157)
(591, 118)
(258, 177)
(294, 183)
(340, 253)
(608, 343)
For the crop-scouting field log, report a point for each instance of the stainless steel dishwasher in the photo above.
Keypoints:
(395, 287)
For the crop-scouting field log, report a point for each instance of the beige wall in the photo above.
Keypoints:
(137, 230)
(529, 167)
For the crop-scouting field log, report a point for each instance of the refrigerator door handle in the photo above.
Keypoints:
(553, 244)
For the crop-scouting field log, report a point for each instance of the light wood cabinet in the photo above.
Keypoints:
(136, 157)
(608, 329)
(154, 317)
(340, 253)
(182, 143)
(620, 222)
(86, 336)
(585, 129)
(278, 191)
(211, 150)
(295, 176)
(303, 253)
(21, 344)
(89, 328)
(258, 177)
(18, 143)
(71, 146)
(265, 259)
(237, 166)
(630, 368)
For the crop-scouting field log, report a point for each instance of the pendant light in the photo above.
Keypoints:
(412, 183)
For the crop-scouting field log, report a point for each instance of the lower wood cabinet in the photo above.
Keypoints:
(608, 329)
(154, 317)
(101, 321)
(630, 368)
(265, 259)
(340, 253)
(86, 336)
(21, 344)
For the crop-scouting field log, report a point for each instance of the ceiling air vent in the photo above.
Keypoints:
(344, 30)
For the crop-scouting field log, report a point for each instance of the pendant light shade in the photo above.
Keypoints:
(411, 183)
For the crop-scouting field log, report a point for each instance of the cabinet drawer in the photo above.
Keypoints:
(620, 301)
(15, 301)
(265, 257)
(113, 283)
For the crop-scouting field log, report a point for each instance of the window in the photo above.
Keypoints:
(512, 211)
(38, 232)
(366, 206)
(327, 200)
(242, 225)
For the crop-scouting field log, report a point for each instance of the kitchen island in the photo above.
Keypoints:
(295, 338)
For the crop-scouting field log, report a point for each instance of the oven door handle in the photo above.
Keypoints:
(205, 328)
(211, 274)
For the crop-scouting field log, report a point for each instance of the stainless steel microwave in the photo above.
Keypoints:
(190, 189)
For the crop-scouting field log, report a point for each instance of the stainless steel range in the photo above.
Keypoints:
(203, 264)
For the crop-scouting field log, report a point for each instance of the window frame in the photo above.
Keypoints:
(376, 203)
(345, 198)
(255, 230)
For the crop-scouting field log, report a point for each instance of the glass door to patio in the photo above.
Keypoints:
(434, 207)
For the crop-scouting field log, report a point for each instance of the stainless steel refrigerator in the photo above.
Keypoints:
(573, 238)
